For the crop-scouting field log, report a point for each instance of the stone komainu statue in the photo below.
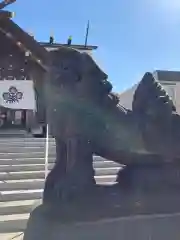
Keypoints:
(86, 118)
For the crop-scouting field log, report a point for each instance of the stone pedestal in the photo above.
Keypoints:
(147, 209)
(159, 227)
(121, 217)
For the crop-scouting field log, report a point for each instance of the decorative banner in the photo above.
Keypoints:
(17, 94)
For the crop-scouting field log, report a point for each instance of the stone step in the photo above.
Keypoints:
(7, 196)
(22, 175)
(27, 140)
(25, 144)
(14, 135)
(13, 223)
(12, 236)
(20, 195)
(25, 149)
(5, 153)
(41, 174)
(18, 207)
(23, 168)
(7, 136)
(21, 155)
(33, 160)
(35, 184)
(40, 167)
(21, 185)
(23, 161)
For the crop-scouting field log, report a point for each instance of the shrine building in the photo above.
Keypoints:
(20, 56)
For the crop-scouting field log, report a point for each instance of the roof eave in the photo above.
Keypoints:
(24, 41)
(5, 14)
(76, 46)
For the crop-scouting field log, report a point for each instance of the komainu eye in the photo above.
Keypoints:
(63, 66)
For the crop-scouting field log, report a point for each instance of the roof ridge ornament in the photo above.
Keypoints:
(5, 3)
(4, 13)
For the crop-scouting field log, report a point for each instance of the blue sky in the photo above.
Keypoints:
(134, 36)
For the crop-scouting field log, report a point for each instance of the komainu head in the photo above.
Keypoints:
(74, 69)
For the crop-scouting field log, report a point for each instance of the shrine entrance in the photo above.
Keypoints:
(10, 119)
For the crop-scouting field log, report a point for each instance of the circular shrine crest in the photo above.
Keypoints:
(12, 96)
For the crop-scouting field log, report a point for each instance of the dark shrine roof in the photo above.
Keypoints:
(26, 42)
(23, 40)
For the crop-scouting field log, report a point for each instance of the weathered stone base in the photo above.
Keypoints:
(114, 216)
(117, 211)
(159, 227)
